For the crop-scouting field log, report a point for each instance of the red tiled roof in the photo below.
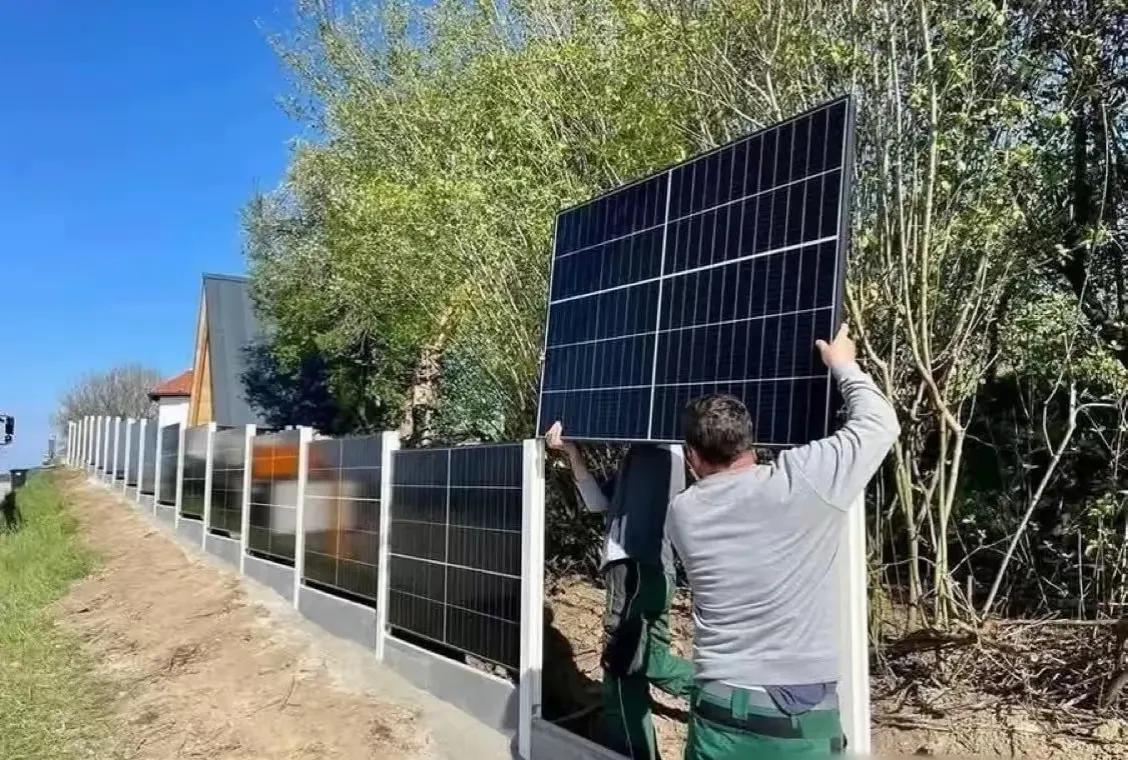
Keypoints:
(181, 385)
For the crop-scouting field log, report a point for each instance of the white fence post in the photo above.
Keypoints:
(97, 444)
(107, 443)
(115, 447)
(853, 684)
(179, 476)
(245, 512)
(305, 435)
(208, 464)
(87, 434)
(107, 446)
(389, 444)
(532, 592)
(142, 428)
(129, 423)
(157, 467)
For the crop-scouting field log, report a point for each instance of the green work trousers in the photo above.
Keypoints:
(636, 654)
(736, 730)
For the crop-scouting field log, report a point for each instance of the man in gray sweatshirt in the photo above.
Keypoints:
(759, 544)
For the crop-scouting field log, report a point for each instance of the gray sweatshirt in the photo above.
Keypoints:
(760, 546)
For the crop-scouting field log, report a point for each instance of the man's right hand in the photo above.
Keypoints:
(554, 440)
(841, 351)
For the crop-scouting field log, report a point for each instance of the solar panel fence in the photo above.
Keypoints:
(149, 454)
(455, 548)
(123, 428)
(274, 495)
(341, 516)
(228, 470)
(107, 445)
(170, 459)
(192, 490)
(137, 451)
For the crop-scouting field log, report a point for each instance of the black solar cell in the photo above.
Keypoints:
(170, 457)
(341, 516)
(274, 495)
(149, 465)
(195, 472)
(455, 548)
(716, 275)
(120, 434)
(228, 469)
(136, 452)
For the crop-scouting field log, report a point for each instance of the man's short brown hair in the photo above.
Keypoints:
(718, 427)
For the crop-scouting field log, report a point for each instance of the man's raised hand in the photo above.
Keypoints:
(840, 351)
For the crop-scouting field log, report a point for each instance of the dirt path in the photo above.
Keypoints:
(213, 667)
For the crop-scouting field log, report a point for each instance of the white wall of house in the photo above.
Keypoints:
(171, 410)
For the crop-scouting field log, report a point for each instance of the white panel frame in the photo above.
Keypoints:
(249, 432)
(853, 631)
(208, 463)
(389, 444)
(142, 425)
(107, 445)
(305, 435)
(157, 468)
(115, 447)
(128, 425)
(97, 443)
(179, 476)
(532, 592)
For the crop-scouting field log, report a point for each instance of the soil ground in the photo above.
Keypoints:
(212, 667)
(1000, 731)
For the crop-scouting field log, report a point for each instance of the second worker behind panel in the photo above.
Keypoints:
(638, 571)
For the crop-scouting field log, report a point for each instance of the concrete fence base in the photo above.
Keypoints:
(227, 549)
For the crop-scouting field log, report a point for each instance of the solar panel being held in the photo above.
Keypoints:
(714, 276)
(455, 548)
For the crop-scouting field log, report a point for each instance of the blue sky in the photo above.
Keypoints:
(132, 133)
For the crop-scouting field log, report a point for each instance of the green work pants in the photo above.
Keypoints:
(736, 730)
(637, 653)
